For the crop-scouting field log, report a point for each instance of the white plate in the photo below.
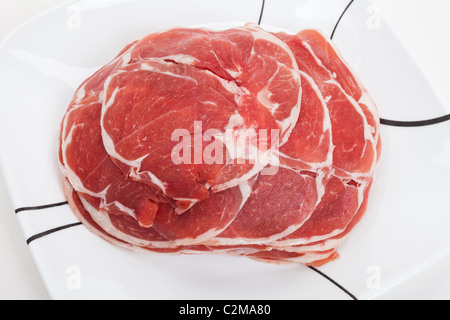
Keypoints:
(404, 232)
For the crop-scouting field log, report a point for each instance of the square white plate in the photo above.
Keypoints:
(404, 232)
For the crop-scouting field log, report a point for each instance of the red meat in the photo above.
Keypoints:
(241, 142)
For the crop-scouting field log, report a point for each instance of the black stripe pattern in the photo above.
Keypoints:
(334, 282)
(48, 232)
(262, 12)
(44, 207)
(340, 18)
(420, 123)
(47, 206)
(396, 123)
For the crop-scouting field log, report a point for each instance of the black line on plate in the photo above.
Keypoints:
(395, 123)
(340, 18)
(48, 232)
(420, 123)
(46, 206)
(262, 12)
(334, 282)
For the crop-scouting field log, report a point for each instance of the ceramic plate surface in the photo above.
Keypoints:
(404, 232)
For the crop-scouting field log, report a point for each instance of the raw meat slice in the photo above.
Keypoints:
(354, 154)
(89, 92)
(79, 205)
(315, 243)
(95, 83)
(310, 145)
(336, 209)
(86, 219)
(249, 56)
(170, 230)
(335, 241)
(84, 161)
(203, 221)
(291, 197)
(152, 118)
(315, 259)
(333, 60)
(312, 255)
(91, 171)
(239, 85)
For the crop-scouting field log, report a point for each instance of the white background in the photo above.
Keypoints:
(423, 24)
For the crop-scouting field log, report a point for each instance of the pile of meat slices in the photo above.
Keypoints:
(293, 197)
